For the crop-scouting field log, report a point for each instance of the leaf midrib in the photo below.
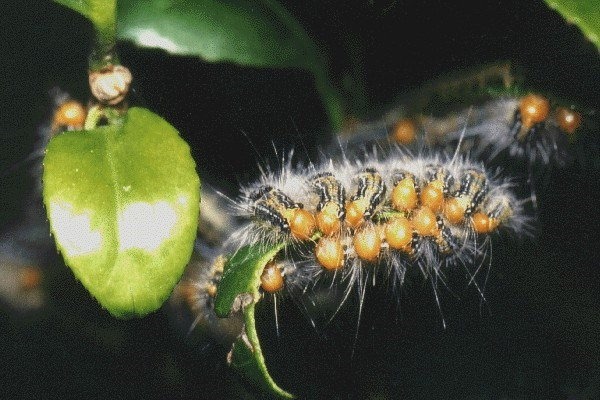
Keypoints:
(110, 145)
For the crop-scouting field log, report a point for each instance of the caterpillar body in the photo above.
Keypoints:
(346, 221)
(528, 128)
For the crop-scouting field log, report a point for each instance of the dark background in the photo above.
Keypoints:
(537, 334)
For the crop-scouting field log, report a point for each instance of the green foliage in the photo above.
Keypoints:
(102, 14)
(123, 204)
(258, 33)
(583, 13)
(249, 33)
(241, 275)
(241, 279)
(250, 362)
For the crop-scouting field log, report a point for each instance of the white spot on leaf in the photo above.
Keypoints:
(74, 230)
(145, 226)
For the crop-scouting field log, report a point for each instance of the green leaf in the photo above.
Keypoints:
(248, 360)
(123, 204)
(238, 286)
(246, 32)
(583, 13)
(253, 33)
(102, 14)
(241, 276)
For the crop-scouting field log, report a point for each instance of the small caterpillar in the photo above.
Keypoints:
(191, 304)
(527, 128)
(530, 128)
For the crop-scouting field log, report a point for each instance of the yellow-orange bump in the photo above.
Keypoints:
(405, 131)
(534, 109)
(424, 222)
(455, 208)
(398, 232)
(367, 242)
(481, 223)
(302, 224)
(328, 221)
(568, 120)
(271, 279)
(404, 195)
(432, 196)
(355, 211)
(70, 114)
(330, 253)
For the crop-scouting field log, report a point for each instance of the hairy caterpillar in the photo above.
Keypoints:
(507, 122)
(529, 128)
(371, 218)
